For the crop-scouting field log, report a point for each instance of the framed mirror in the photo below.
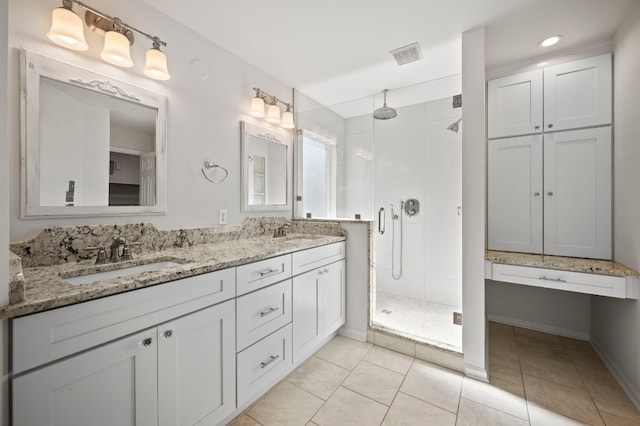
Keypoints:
(266, 164)
(91, 146)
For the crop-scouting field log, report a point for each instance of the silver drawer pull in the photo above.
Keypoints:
(269, 311)
(268, 272)
(272, 358)
(560, 280)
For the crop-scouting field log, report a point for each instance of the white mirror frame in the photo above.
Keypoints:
(272, 134)
(33, 67)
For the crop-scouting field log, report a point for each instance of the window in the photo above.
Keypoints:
(317, 177)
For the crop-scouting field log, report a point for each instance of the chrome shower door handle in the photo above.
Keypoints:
(381, 219)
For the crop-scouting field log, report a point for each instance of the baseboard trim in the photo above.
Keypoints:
(575, 334)
(353, 334)
(632, 393)
(476, 372)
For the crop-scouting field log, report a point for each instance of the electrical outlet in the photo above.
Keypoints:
(222, 216)
(457, 318)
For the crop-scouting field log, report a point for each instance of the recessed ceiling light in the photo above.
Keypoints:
(550, 41)
(542, 64)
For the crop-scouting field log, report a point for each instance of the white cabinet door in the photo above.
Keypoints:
(577, 179)
(115, 384)
(307, 320)
(515, 198)
(333, 289)
(515, 105)
(578, 94)
(196, 367)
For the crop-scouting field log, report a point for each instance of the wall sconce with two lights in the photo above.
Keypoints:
(67, 30)
(272, 114)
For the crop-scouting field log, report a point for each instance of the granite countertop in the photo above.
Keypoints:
(574, 264)
(44, 287)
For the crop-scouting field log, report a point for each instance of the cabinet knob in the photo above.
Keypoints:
(550, 126)
(536, 194)
(326, 270)
(320, 272)
(536, 127)
(550, 194)
(147, 341)
(167, 334)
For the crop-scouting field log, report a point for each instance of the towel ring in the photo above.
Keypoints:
(209, 165)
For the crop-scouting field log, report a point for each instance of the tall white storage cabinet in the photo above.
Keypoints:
(549, 178)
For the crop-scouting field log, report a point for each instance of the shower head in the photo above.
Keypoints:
(384, 112)
(454, 127)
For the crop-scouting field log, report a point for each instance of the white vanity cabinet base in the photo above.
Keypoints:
(306, 260)
(115, 384)
(263, 364)
(579, 282)
(50, 335)
(262, 312)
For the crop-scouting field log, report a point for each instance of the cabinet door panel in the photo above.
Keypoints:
(307, 325)
(515, 105)
(578, 94)
(515, 194)
(196, 360)
(115, 384)
(577, 176)
(333, 289)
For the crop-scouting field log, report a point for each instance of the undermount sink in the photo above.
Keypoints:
(297, 237)
(120, 273)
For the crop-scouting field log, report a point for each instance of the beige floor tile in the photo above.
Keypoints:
(346, 407)
(562, 399)
(244, 420)
(318, 377)
(407, 411)
(497, 331)
(494, 397)
(389, 359)
(344, 352)
(551, 368)
(516, 389)
(374, 382)
(613, 420)
(285, 404)
(473, 414)
(582, 354)
(613, 400)
(436, 385)
(396, 344)
(539, 416)
(597, 377)
(505, 368)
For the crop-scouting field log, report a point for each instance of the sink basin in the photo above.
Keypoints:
(297, 237)
(120, 273)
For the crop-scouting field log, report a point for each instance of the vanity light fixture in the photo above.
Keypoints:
(67, 31)
(272, 115)
(550, 41)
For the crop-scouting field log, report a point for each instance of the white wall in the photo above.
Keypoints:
(209, 94)
(616, 323)
(4, 215)
(417, 157)
(136, 140)
(474, 194)
(356, 187)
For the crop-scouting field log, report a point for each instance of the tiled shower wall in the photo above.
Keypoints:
(413, 156)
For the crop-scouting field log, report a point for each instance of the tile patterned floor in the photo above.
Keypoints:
(536, 379)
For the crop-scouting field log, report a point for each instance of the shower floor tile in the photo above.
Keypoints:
(420, 320)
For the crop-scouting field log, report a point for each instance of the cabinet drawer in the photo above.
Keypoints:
(262, 312)
(601, 285)
(49, 335)
(256, 275)
(260, 366)
(306, 260)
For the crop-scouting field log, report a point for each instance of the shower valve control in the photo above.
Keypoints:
(411, 207)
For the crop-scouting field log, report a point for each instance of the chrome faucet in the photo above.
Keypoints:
(281, 231)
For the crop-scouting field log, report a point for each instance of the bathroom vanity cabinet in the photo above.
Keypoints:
(549, 160)
(192, 351)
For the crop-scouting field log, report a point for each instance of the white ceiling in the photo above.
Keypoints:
(338, 50)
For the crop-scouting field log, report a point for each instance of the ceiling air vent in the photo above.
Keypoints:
(406, 54)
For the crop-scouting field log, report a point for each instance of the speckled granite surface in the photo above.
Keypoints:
(50, 253)
(16, 279)
(591, 266)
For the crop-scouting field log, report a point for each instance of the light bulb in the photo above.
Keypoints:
(116, 49)
(156, 65)
(67, 29)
